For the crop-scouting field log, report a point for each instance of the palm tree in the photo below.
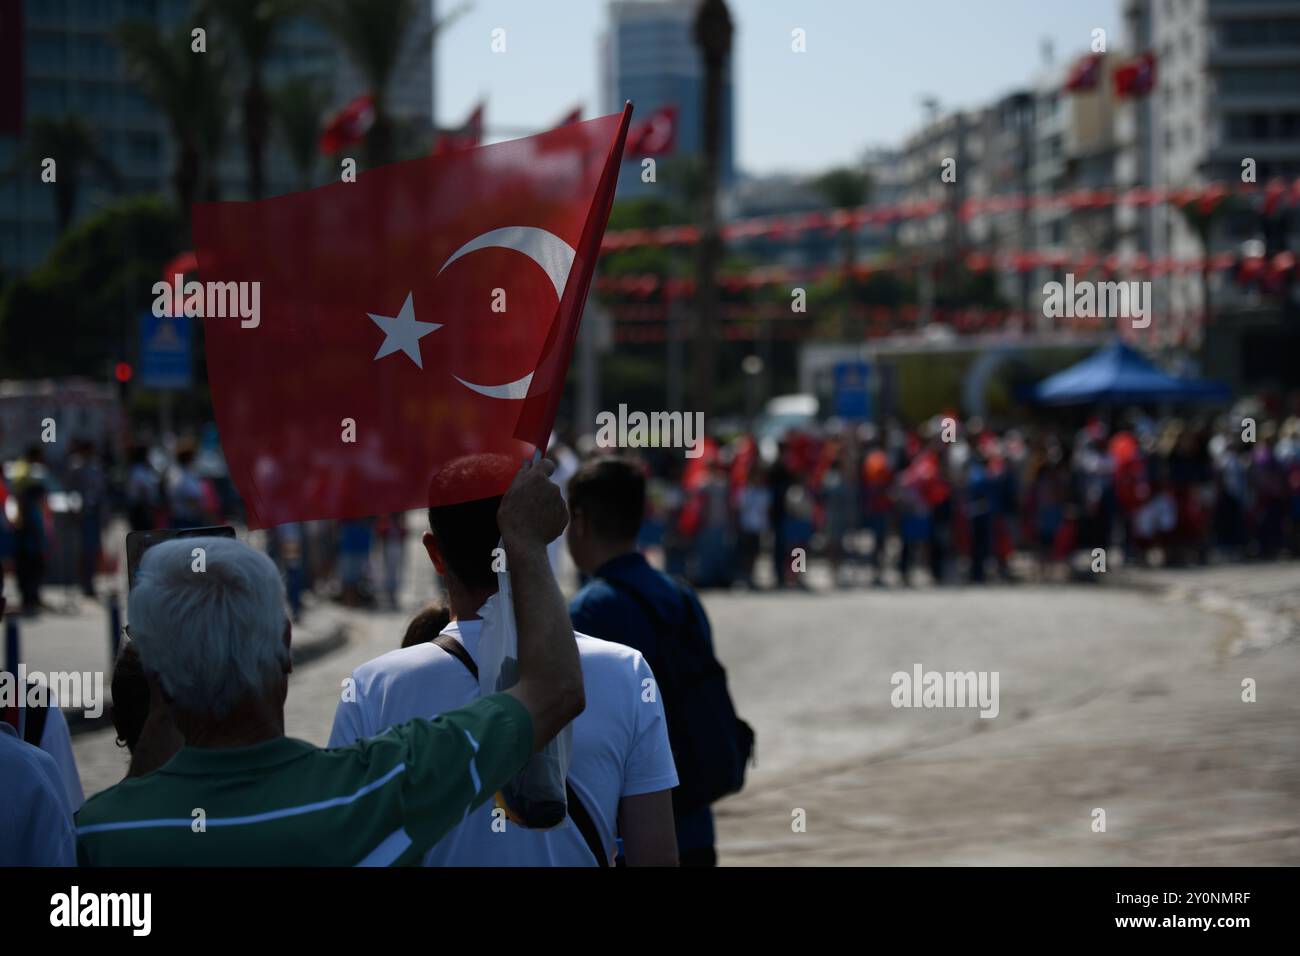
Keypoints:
(253, 25)
(189, 89)
(71, 143)
(845, 188)
(374, 34)
(298, 106)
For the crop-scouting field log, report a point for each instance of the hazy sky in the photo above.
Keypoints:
(860, 83)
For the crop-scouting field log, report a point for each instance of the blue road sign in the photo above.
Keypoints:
(852, 390)
(165, 352)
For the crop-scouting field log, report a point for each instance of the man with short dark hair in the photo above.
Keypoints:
(621, 770)
(630, 602)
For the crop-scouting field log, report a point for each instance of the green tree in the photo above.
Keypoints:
(190, 91)
(253, 25)
(76, 312)
(845, 188)
(71, 143)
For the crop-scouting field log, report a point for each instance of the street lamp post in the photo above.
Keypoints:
(713, 36)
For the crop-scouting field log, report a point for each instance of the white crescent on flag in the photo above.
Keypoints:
(553, 254)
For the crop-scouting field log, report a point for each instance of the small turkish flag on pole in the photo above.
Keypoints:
(387, 328)
(1084, 74)
(656, 135)
(1137, 77)
(467, 137)
(348, 126)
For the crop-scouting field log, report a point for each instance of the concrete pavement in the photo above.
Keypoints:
(1119, 699)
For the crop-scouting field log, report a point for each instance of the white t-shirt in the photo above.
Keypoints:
(35, 823)
(620, 742)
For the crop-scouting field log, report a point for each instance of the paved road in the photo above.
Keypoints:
(1127, 700)
(1124, 698)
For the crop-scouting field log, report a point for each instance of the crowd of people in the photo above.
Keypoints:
(953, 499)
(967, 501)
(53, 514)
(420, 754)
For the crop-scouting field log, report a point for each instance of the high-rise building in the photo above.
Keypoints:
(648, 55)
(73, 67)
(943, 162)
(1226, 97)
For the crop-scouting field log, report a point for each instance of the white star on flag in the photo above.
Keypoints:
(402, 333)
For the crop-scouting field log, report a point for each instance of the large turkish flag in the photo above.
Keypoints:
(423, 314)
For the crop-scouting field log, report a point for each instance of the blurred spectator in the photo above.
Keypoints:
(31, 537)
(86, 478)
(427, 625)
(754, 504)
(142, 490)
(391, 532)
(186, 497)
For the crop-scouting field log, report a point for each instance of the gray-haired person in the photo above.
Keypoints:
(212, 632)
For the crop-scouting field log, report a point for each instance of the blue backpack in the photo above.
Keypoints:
(711, 745)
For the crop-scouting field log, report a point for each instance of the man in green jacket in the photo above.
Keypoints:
(214, 637)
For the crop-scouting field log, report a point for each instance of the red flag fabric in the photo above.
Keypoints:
(467, 137)
(1137, 77)
(656, 135)
(348, 126)
(420, 316)
(1084, 74)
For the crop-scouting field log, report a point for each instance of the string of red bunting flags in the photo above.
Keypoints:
(637, 323)
(1272, 196)
(1265, 269)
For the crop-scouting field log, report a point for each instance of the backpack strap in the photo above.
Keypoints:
(577, 810)
(34, 726)
(27, 721)
(457, 650)
(657, 616)
(586, 826)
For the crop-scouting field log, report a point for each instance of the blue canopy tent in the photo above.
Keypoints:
(1117, 373)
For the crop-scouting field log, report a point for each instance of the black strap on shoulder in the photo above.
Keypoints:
(586, 826)
(654, 613)
(577, 810)
(34, 725)
(457, 650)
